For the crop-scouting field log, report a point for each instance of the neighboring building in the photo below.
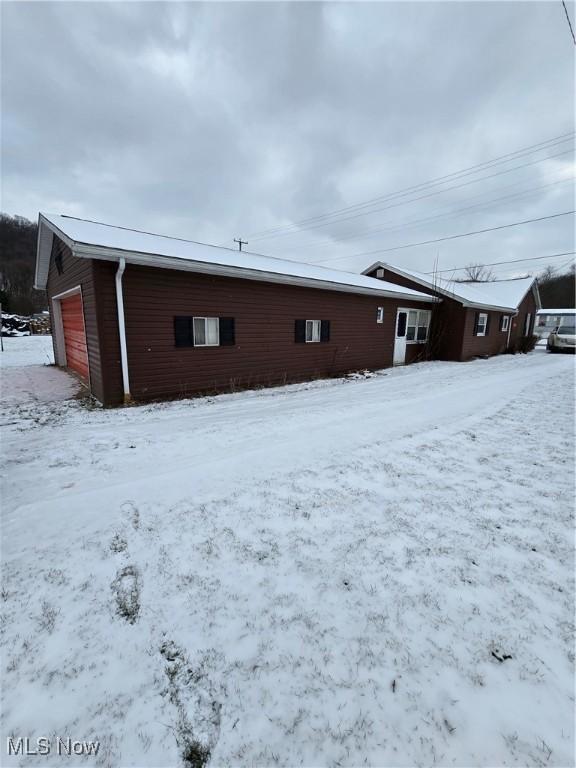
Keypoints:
(471, 319)
(548, 319)
(142, 316)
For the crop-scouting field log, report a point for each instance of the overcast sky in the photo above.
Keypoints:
(210, 121)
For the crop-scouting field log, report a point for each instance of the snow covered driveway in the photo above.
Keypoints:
(27, 373)
(375, 571)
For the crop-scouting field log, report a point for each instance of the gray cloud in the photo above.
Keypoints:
(213, 120)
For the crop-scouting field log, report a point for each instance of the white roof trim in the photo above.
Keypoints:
(450, 294)
(82, 239)
(565, 311)
(209, 268)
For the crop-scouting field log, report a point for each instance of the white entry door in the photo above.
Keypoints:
(400, 340)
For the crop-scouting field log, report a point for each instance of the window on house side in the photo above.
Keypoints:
(482, 323)
(312, 330)
(423, 325)
(505, 323)
(380, 315)
(418, 325)
(206, 332)
(527, 323)
(411, 326)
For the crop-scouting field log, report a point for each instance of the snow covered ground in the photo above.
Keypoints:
(27, 350)
(365, 571)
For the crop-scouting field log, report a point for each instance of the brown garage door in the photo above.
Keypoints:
(75, 335)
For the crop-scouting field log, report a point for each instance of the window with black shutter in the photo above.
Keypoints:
(193, 331)
(311, 331)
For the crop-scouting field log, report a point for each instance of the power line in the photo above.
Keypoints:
(563, 266)
(448, 237)
(449, 214)
(569, 22)
(466, 171)
(423, 197)
(531, 149)
(499, 263)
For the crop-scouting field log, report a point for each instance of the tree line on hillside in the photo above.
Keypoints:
(17, 264)
(557, 291)
(18, 260)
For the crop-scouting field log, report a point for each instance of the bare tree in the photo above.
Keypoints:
(477, 273)
(546, 275)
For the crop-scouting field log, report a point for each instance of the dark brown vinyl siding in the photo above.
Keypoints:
(78, 272)
(448, 320)
(528, 305)
(497, 341)
(265, 352)
(494, 343)
(452, 333)
(107, 315)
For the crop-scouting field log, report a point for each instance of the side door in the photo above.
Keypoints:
(400, 337)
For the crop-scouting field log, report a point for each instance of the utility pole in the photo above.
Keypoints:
(240, 243)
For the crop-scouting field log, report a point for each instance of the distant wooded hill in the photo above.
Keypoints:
(18, 259)
(557, 291)
(17, 263)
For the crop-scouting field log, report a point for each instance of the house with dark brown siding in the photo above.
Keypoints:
(471, 319)
(138, 316)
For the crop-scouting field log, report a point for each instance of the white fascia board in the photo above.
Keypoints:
(376, 265)
(166, 262)
(490, 308)
(536, 291)
(448, 294)
(46, 232)
(431, 286)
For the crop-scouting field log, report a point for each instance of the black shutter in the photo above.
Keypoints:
(183, 331)
(227, 337)
(487, 331)
(324, 330)
(476, 318)
(300, 330)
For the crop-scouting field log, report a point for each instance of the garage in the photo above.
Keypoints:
(74, 334)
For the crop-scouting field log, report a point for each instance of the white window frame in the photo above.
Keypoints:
(425, 313)
(206, 344)
(380, 273)
(527, 323)
(505, 323)
(484, 325)
(380, 315)
(315, 331)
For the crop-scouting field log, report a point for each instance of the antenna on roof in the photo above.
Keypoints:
(240, 243)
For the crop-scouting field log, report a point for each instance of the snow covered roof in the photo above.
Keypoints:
(94, 240)
(498, 294)
(565, 311)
